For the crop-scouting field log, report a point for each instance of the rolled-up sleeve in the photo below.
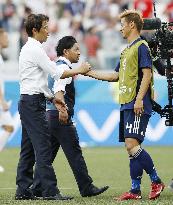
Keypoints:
(61, 83)
(59, 86)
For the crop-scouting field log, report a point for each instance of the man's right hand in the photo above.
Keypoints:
(84, 68)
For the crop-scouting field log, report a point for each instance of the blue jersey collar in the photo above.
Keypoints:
(135, 41)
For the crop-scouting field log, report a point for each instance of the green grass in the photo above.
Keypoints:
(107, 166)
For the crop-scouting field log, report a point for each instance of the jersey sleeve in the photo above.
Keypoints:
(144, 57)
(117, 68)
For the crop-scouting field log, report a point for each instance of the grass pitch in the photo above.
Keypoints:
(107, 166)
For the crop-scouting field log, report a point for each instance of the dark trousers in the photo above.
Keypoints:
(66, 136)
(35, 146)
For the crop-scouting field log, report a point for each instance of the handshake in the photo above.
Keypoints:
(84, 68)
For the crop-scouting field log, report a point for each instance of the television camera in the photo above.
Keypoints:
(161, 45)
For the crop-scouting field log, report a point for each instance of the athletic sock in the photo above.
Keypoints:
(147, 164)
(154, 177)
(136, 172)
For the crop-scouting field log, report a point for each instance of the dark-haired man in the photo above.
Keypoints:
(62, 129)
(34, 65)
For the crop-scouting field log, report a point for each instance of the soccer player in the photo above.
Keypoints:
(34, 65)
(134, 73)
(6, 122)
(61, 126)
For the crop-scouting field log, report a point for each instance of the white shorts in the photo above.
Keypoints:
(5, 118)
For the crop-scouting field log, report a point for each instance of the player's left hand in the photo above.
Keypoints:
(138, 107)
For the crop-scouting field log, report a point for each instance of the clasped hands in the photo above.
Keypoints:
(62, 108)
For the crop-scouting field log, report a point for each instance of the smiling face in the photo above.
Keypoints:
(73, 54)
(43, 34)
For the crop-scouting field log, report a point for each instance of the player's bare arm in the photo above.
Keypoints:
(105, 76)
(84, 68)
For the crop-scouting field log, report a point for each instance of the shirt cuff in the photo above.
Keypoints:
(59, 88)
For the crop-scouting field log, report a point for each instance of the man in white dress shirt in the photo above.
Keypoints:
(6, 122)
(34, 66)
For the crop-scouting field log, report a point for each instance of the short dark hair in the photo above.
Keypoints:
(34, 21)
(66, 42)
(135, 16)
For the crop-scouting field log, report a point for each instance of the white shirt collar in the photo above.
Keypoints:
(33, 40)
(66, 60)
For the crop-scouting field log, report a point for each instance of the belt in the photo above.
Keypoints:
(34, 96)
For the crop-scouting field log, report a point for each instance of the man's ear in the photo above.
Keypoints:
(65, 51)
(132, 24)
(34, 31)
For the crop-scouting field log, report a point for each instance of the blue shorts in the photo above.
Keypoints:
(132, 126)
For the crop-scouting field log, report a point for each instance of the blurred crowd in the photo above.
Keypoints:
(94, 23)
